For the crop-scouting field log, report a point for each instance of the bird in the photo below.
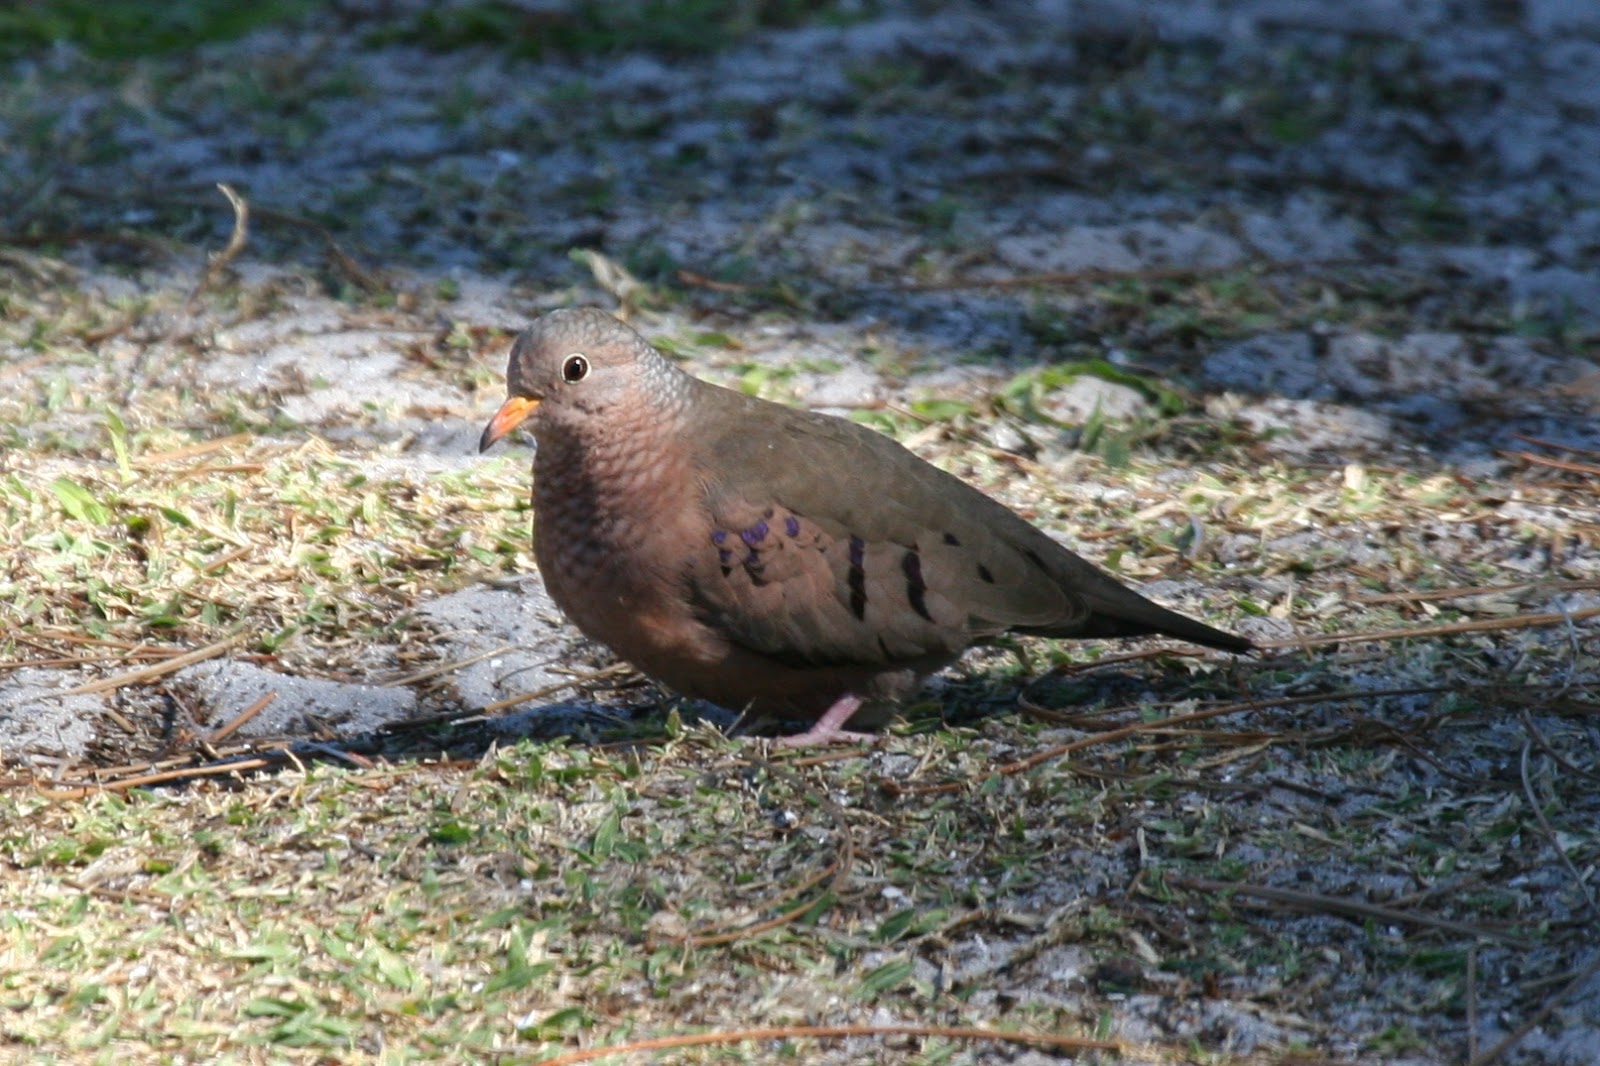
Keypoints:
(778, 562)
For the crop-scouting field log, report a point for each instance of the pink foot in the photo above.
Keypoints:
(827, 730)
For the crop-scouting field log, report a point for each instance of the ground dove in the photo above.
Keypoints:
(769, 559)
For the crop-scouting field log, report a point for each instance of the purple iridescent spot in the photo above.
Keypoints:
(719, 536)
(725, 556)
(791, 526)
(755, 534)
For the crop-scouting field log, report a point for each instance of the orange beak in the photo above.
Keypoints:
(509, 417)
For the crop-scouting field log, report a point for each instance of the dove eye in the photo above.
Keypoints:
(575, 368)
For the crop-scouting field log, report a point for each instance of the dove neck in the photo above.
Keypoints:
(601, 472)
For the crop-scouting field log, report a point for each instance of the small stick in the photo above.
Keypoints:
(445, 668)
(189, 451)
(832, 1032)
(1558, 464)
(497, 706)
(1484, 625)
(236, 242)
(1538, 1017)
(1310, 901)
(241, 718)
(159, 778)
(1097, 274)
(1469, 591)
(1554, 446)
(146, 673)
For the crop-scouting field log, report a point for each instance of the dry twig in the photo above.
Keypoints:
(146, 673)
(236, 243)
(1318, 904)
(834, 1032)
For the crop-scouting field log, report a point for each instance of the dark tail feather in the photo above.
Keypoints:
(1167, 623)
(1118, 611)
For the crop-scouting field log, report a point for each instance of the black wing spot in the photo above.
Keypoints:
(916, 588)
(984, 575)
(884, 648)
(754, 565)
(952, 540)
(857, 577)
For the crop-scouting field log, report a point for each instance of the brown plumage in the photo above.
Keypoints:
(772, 559)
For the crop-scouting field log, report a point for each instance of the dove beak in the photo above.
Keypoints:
(509, 417)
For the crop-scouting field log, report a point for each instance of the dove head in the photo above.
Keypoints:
(580, 365)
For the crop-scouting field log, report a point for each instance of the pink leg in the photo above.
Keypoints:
(827, 730)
